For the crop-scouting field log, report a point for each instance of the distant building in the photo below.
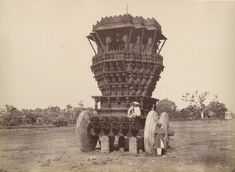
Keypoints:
(228, 115)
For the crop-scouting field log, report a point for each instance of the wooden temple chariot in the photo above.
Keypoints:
(127, 65)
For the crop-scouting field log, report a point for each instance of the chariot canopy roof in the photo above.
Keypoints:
(127, 21)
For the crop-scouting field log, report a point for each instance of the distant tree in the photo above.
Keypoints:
(38, 110)
(215, 98)
(10, 108)
(2, 111)
(190, 112)
(217, 109)
(197, 100)
(81, 105)
(166, 105)
(53, 109)
(14, 116)
(69, 107)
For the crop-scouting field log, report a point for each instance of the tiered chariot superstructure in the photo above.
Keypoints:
(127, 65)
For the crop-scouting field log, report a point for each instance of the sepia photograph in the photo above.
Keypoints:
(112, 86)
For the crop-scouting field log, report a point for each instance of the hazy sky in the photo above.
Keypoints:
(45, 57)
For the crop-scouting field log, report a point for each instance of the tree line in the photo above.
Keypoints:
(195, 109)
(54, 115)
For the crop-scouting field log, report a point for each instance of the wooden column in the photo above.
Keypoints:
(115, 143)
(126, 147)
(121, 143)
(141, 39)
(128, 42)
(98, 145)
(104, 144)
(140, 144)
(133, 145)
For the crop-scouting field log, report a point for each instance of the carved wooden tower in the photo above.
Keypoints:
(127, 62)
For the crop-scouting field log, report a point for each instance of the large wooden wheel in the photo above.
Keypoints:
(164, 120)
(86, 141)
(149, 128)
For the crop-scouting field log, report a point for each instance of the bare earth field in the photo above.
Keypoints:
(197, 146)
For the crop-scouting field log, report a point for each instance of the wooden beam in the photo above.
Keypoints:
(99, 40)
(91, 45)
(162, 46)
(157, 47)
(96, 42)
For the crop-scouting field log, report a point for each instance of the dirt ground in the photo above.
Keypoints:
(197, 146)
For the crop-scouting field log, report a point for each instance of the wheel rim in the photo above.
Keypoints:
(86, 141)
(149, 137)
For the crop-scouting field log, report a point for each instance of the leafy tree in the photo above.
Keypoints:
(69, 107)
(166, 105)
(10, 108)
(13, 116)
(38, 110)
(81, 105)
(216, 108)
(197, 100)
(190, 112)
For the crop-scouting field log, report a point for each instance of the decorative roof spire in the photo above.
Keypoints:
(127, 8)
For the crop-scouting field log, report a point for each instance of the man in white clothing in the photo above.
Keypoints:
(134, 110)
